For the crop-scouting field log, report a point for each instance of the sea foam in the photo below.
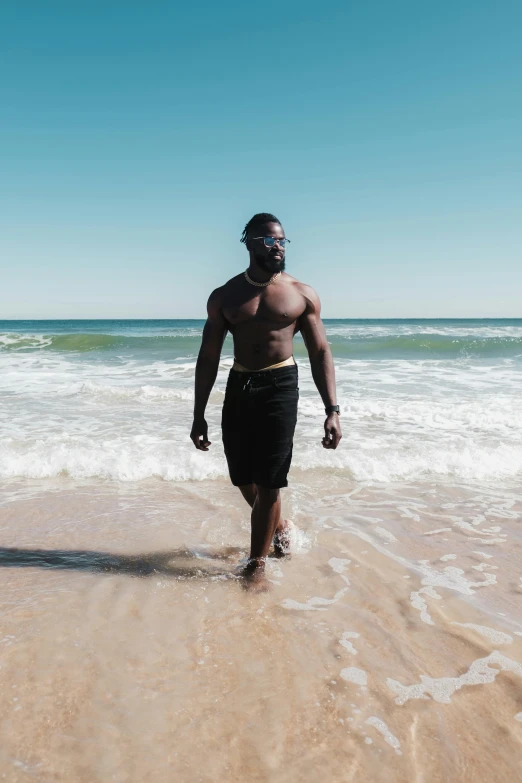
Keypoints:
(441, 689)
(119, 405)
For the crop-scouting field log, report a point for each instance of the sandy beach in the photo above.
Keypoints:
(388, 648)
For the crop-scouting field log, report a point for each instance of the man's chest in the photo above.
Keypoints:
(275, 306)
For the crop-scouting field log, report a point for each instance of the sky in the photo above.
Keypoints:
(138, 138)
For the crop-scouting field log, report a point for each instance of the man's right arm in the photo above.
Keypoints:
(207, 365)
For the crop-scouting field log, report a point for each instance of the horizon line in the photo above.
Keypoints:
(324, 318)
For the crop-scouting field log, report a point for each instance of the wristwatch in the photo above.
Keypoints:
(332, 409)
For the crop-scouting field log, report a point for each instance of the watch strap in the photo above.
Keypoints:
(332, 409)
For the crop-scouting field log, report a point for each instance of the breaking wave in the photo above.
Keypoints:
(344, 344)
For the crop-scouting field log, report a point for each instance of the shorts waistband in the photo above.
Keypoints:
(286, 363)
(261, 378)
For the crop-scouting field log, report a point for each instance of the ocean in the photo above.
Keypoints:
(113, 399)
(389, 647)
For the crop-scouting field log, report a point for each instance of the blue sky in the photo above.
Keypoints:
(137, 138)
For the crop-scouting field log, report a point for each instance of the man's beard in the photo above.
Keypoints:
(269, 264)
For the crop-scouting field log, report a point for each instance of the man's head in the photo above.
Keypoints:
(258, 236)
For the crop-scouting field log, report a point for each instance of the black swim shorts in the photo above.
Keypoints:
(258, 423)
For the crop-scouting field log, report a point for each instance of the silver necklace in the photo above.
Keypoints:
(262, 285)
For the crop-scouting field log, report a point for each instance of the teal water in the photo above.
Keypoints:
(349, 338)
(113, 399)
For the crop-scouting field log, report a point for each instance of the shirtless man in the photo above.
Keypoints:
(263, 308)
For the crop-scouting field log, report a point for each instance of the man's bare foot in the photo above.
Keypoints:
(282, 539)
(254, 578)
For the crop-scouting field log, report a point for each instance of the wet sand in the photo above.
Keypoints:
(389, 647)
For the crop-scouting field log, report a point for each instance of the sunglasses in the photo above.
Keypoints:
(271, 241)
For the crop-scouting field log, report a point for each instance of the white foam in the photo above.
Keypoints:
(345, 642)
(357, 676)
(518, 716)
(497, 637)
(339, 565)
(144, 394)
(420, 604)
(438, 530)
(450, 577)
(313, 604)
(123, 459)
(351, 330)
(409, 461)
(385, 534)
(24, 341)
(490, 541)
(408, 420)
(299, 540)
(455, 579)
(390, 738)
(441, 689)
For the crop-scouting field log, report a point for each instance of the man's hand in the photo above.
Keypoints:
(332, 431)
(199, 434)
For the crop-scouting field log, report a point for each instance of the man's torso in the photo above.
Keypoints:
(263, 321)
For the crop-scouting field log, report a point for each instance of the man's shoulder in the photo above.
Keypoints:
(304, 289)
(222, 290)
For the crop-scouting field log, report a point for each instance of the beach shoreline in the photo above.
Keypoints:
(387, 647)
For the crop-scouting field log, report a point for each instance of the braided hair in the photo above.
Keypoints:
(256, 222)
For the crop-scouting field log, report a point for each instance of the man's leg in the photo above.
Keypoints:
(249, 492)
(281, 540)
(266, 513)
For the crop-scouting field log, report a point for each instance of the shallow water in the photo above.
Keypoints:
(389, 647)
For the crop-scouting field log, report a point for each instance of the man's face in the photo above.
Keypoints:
(271, 259)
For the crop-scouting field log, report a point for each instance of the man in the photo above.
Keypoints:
(263, 308)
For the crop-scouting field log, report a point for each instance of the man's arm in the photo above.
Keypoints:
(321, 363)
(207, 365)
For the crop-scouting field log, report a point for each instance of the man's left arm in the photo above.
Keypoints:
(321, 362)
